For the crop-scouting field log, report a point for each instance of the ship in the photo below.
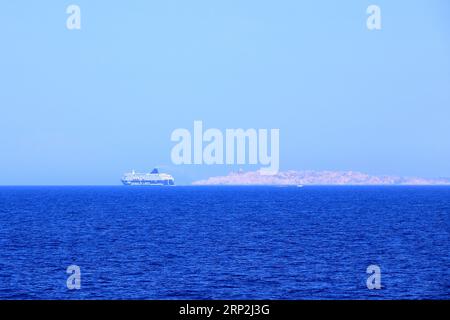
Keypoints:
(153, 178)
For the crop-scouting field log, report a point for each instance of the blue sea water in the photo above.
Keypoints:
(224, 242)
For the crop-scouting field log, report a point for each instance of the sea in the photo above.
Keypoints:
(225, 242)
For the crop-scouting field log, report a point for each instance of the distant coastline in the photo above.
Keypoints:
(338, 178)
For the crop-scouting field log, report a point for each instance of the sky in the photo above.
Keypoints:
(81, 107)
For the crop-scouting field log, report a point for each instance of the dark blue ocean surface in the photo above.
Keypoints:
(224, 242)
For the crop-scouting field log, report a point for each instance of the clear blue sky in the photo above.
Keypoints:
(84, 106)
